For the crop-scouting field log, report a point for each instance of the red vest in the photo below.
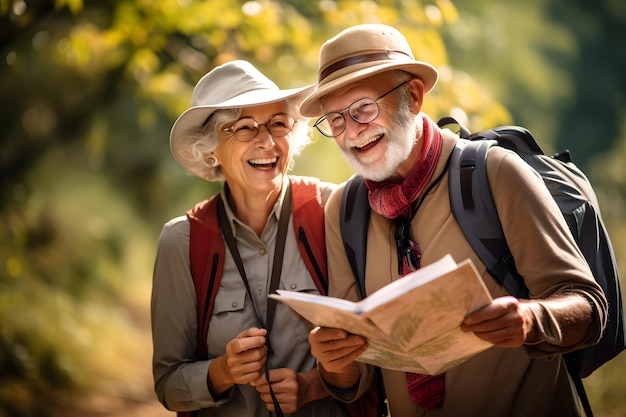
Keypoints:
(206, 253)
(206, 247)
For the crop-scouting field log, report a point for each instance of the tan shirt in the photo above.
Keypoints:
(180, 381)
(527, 381)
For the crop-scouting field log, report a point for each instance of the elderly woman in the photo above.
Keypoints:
(221, 347)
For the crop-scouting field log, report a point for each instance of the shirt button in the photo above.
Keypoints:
(294, 286)
(262, 251)
(234, 304)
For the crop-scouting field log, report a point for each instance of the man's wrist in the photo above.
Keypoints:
(341, 381)
(342, 391)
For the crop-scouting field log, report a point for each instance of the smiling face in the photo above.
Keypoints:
(385, 147)
(256, 167)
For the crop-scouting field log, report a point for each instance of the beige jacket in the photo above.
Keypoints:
(527, 381)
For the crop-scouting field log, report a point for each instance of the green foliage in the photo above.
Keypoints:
(66, 289)
(517, 47)
(90, 92)
(557, 65)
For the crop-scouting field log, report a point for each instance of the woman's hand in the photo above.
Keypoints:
(242, 363)
(292, 389)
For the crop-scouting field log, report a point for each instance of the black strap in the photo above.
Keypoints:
(279, 251)
(477, 215)
(355, 213)
(571, 365)
(277, 266)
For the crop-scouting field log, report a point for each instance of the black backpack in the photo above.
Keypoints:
(473, 208)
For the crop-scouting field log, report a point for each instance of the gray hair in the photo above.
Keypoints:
(201, 142)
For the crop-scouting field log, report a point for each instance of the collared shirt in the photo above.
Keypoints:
(180, 382)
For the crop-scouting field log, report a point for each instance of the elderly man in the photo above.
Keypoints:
(369, 99)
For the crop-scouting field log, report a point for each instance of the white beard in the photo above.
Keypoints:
(399, 141)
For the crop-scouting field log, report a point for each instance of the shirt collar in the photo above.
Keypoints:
(235, 223)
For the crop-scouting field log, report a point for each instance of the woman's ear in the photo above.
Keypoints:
(211, 160)
(416, 93)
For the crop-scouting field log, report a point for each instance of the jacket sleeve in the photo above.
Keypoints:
(180, 380)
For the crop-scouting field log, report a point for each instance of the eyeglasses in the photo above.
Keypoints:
(406, 251)
(246, 128)
(364, 110)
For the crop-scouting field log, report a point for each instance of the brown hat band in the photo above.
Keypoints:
(359, 59)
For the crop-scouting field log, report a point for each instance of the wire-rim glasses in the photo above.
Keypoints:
(364, 110)
(246, 128)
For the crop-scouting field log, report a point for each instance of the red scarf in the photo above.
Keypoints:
(390, 199)
(393, 200)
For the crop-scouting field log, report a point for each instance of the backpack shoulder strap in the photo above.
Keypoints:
(206, 256)
(354, 219)
(354, 215)
(308, 223)
(473, 208)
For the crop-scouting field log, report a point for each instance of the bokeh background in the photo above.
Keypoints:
(89, 91)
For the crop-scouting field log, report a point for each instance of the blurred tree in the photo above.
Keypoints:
(592, 121)
(557, 66)
(90, 90)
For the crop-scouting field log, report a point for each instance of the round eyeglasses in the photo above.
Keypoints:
(364, 110)
(246, 128)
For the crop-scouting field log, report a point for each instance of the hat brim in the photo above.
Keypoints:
(194, 117)
(312, 107)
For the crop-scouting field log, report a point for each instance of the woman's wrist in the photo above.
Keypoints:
(218, 378)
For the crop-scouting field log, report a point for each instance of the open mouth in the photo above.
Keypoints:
(264, 163)
(369, 143)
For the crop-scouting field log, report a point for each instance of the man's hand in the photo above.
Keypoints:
(505, 322)
(335, 349)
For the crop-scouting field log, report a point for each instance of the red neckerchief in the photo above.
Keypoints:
(390, 199)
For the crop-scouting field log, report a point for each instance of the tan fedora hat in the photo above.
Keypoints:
(362, 51)
(235, 84)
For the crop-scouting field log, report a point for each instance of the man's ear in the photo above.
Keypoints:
(416, 93)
